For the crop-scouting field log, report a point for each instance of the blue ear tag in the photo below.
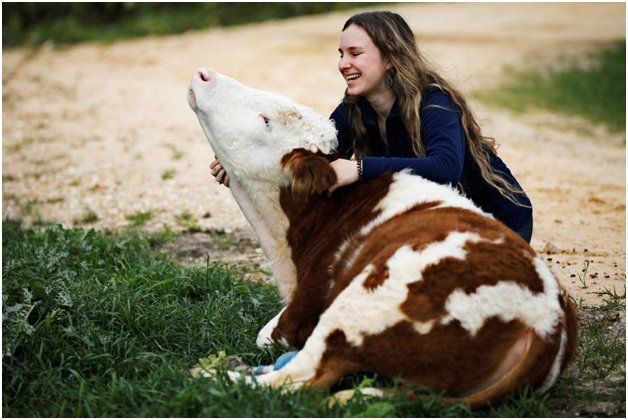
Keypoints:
(284, 359)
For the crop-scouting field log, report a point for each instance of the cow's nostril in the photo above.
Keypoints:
(204, 76)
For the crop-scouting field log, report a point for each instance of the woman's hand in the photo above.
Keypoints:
(219, 172)
(346, 173)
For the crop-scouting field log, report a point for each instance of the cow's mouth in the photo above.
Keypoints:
(191, 98)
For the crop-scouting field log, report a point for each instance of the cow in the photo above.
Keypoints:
(397, 275)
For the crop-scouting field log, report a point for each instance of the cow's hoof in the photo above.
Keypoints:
(342, 397)
(199, 372)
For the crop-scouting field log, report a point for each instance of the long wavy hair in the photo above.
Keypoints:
(412, 74)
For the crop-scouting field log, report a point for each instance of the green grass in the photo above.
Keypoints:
(96, 324)
(139, 218)
(594, 89)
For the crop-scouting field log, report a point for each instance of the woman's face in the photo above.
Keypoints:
(361, 63)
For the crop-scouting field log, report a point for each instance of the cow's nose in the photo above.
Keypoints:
(204, 75)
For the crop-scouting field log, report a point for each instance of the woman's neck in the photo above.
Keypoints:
(382, 103)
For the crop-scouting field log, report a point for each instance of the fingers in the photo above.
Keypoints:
(220, 176)
(346, 173)
(219, 172)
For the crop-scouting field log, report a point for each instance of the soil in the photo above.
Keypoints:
(95, 135)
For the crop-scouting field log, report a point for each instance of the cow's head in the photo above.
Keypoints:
(251, 130)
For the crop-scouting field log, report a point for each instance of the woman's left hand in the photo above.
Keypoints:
(346, 173)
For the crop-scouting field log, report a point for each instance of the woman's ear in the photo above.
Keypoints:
(387, 64)
(311, 173)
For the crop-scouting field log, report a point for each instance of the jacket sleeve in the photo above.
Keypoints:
(444, 142)
(340, 117)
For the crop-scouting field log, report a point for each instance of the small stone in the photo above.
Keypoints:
(550, 248)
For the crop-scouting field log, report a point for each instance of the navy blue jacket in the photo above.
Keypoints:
(447, 158)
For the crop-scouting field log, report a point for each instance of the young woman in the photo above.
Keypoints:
(398, 113)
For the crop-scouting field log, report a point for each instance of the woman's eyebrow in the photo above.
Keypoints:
(351, 49)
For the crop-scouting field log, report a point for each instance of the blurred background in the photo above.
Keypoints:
(61, 23)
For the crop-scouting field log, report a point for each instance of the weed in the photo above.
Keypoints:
(188, 220)
(89, 217)
(168, 174)
(177, 154)
(601, 354)
(55, 200)
(139, 218)
(223, 241)
(612, 300)
(31, 209)
(162, 236)
(583, 277)
(18, 146)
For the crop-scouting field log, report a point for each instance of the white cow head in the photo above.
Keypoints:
(251, 130)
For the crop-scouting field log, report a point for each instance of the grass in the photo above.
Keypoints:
(594, 88)
(139, 218)
(188, 220)
(96, 324)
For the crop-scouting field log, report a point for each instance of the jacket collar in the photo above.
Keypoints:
(369, 116)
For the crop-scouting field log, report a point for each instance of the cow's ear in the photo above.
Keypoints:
(311, 172)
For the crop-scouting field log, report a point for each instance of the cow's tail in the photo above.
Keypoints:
(540, 364)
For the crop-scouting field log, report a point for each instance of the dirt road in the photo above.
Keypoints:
(94, 133)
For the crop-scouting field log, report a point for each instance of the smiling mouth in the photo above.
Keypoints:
(353, 77)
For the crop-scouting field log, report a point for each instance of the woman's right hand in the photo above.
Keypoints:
(219, 172)
(346, 173)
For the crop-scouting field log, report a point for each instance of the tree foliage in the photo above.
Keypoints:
(62, 23)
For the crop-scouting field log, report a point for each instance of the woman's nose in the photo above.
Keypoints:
(344, 63)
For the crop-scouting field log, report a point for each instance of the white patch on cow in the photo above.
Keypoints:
(408, 190)
(508, 300)
(423, 327)
(256, 207)
(550, 285)
(264, 336)
(555, 370)
(359, 311)
(348, 260)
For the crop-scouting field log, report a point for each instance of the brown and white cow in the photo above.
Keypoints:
(398, 275)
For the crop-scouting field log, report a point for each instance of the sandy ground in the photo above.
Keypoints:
(106, 130)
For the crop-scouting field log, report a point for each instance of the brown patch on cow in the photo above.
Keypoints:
(418, 306)
(376, 277)
(450, 359)
(570, 324)
(317, 228)
(311, 173)
(339, 359)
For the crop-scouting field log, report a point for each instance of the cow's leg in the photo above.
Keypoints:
(264, 338)
(324, 359)
(306, 369)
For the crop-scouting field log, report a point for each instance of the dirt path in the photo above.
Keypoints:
(94, 133)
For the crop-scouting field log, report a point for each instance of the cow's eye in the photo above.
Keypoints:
(266, 120)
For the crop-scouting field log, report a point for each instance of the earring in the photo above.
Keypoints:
(389, 79)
